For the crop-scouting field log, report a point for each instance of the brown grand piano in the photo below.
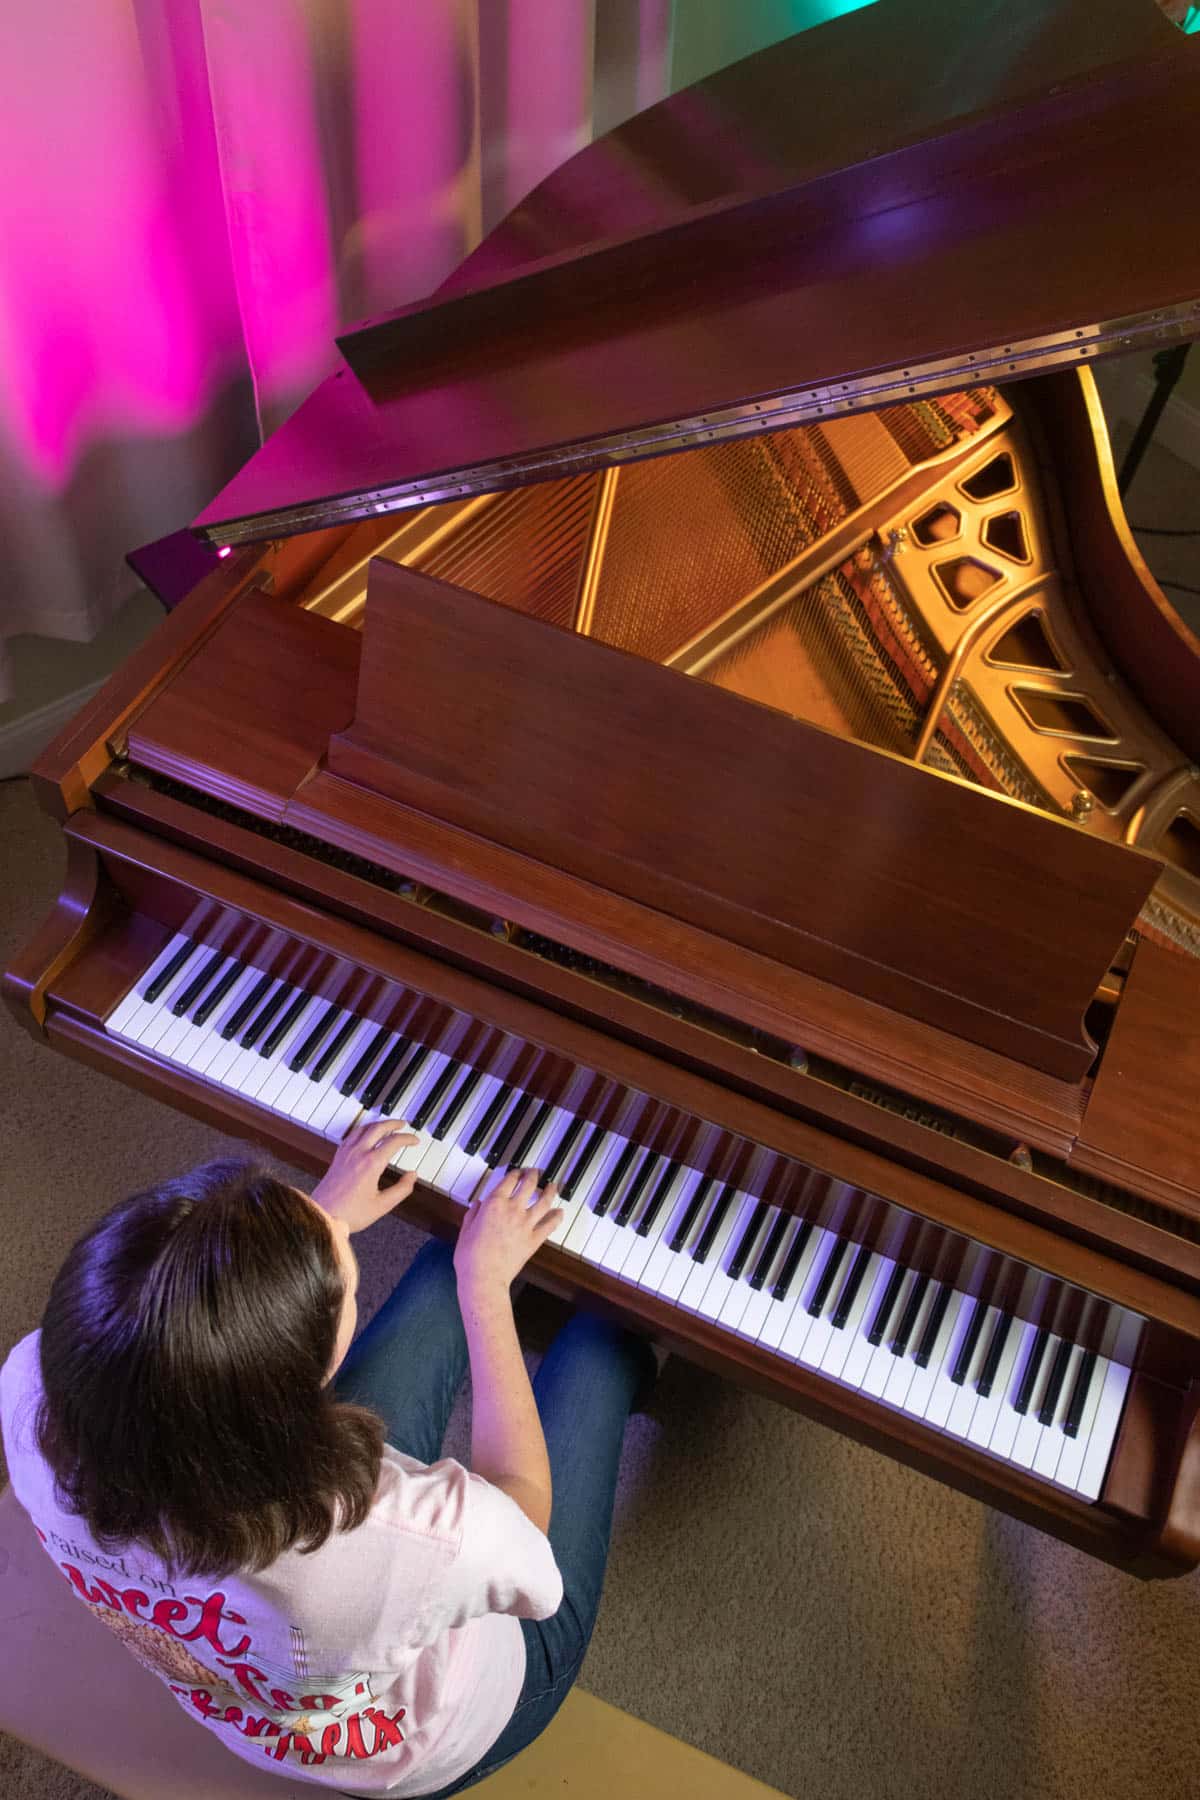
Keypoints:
(683, 708)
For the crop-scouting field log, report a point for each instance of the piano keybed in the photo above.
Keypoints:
(667, 1204)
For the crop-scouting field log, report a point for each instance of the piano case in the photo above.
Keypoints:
(658, 681)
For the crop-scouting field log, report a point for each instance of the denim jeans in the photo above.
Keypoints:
(408, 1366)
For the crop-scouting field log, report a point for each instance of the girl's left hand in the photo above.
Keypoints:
(349, 1190)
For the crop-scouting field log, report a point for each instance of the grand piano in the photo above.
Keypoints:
(682, 708)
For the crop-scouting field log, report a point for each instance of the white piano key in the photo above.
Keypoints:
(875, 1375)
(232, 1065)
(721, 1284)
(327, 1097)
(204, 1060)
(837, 1351)
(260, 1072)
(924, 1382)
(159, 1020)
(642, 1246)
(1008, 1419)
(1024, 1445)
(1074, 1450)
(246, 1073)
(752, 1315)
(904, 1368)
(281, 1075)
(409, 1103)
(962, 1407)
(820, 1332)
(779, 1317)
(443, 1171)
(987, 1411)
(678, 1264)
(942, 1391)
(741, 1295)
(126, 1016)
(583, 1219)
(1050, 1444)
(621, 1243)
(544, 1145)
(604, 1230)
(1104, 1431)
(700, 1274)
(661, 1258)
(801, 1321)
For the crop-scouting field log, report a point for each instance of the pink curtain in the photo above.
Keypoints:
(198, 193)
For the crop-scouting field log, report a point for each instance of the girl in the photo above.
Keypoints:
(283, 1548)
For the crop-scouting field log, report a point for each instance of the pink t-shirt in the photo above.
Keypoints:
(386, 1662)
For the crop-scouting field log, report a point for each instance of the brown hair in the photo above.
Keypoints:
(184, 1352)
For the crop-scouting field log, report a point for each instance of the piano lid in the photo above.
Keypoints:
(861, 214)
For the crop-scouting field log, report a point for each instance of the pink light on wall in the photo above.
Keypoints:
(115, 294)
(416, 163)
(262, 71)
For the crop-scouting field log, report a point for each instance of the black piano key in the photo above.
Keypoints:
(242, 1012)
(852, 1284)
(714, 1222)
(192, 992)
(381, 1080)
(683, 1230)
(283, 1024)
(523, 1148)
(403, 1082)
(584, 1161)
(769, 1251)
(966, 1350)
(564, 1147)
(933, 1324)
(637, 1188)
(658, 1200)
(509, 1133)
(457, 1101)
(1079, 1395)
(883, 1311)
(169, 971)
(991, 1362)
(436, 1094)
(828, 1276)
(313, 1041)
(616, 1176)
(746, 1242)
(791, 1261)
(358, 1073)
(1058, 1371)
(489, 1121)
(1029, 1378)
(908, 1318)
(334, 1048)
(261, 1020)
(216, 994)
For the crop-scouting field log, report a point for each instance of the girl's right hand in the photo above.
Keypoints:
(502, 1229)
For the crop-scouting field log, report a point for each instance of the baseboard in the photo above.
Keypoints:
(23, 739)
(1126, 393)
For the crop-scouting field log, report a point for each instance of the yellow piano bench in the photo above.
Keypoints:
(73, 1694)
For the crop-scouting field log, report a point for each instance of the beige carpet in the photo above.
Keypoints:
(777, 1596)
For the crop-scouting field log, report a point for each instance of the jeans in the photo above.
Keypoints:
(408, 1366)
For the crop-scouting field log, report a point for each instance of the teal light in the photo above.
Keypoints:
(709, 34)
